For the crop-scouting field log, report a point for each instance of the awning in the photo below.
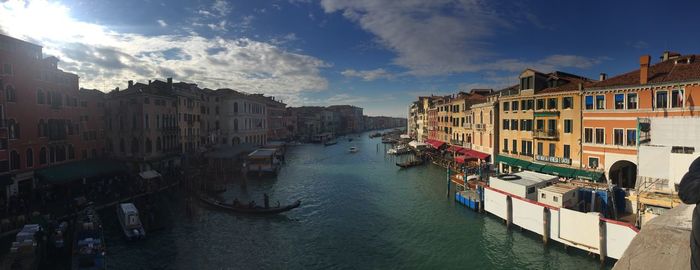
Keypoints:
(476, 154)
(513, 161)
(435, 143)
(560, 171)
(589, 175)
(149, 174)
(463, 159)
(68, 172)
(535, 167)
(456, 149)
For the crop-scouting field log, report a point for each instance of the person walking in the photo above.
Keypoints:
(689, 192)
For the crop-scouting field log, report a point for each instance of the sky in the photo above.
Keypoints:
(376, 54)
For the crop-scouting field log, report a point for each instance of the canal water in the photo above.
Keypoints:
(359, 211)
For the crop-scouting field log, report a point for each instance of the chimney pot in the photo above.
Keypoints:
(131, 83)
(644, 69)
(666, 55)
(170, 81)
(603, 76)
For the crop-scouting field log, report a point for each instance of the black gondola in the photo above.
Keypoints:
(244, 208)
(411, 163)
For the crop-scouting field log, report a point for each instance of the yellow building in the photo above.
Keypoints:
(541, 124)
(486, 126)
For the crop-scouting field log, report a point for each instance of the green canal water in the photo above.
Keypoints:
(359, 211)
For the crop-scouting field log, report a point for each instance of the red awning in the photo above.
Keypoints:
(462, 159)
(434, 143)
(477, 154)
(455, 149)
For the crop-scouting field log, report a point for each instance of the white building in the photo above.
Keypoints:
(523, 184)
(559, 195)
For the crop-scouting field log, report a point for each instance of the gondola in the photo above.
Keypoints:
(243, 208)
(409, 164)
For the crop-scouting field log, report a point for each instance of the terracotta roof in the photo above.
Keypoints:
(508, 91)
(662, 72)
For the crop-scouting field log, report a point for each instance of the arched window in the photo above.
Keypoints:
(14, 160)
(52, 154)
(30, 158)
(158, 145)
(235, 124)
(121, 146)
(235, 107)
(10, 93)
(491, 117)
(481, 117)
(42, 156)
(235, 140)
(40, 97)
(148, 145)
(134, 146)
(42, 128)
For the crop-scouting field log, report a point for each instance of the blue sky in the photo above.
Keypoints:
(377, 54)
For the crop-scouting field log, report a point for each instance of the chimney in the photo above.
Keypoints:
(644, 69)
(603, 77)
(149, 82)
(170, 83)
(131, 83)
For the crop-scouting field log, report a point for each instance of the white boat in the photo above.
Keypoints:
(353, 149)
(131, 223)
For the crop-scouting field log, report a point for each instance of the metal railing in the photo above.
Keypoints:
(546, 134)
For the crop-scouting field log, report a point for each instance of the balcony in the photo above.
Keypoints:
(480, 126)
(546, 134)
(468, 125)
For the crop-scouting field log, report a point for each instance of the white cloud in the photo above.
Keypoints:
(221, 7)
(162, 23)
(441, 36)
(368, 75)
(105, 58)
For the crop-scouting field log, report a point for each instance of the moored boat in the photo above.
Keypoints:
(330, 142)
(399, 150)
(129, 220)
(353, 149)
(410, 163)
(88, 246)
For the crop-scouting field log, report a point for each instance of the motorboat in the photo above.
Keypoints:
(353, 149)
(129, 220)
(399, 150)
(88, 245)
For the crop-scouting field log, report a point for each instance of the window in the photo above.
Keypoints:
(529, 148)
(30, 158)
(540, 148)
(682, 149)
(593, 162)
(552, 149)
(588, 135)
(567, 151)
(631, 137)
(552, 104)
(552, 124)
(506, 124)
(40, 98)
(618, 136)
(10, 93)
(506, 106)
(543, 196)
(42, 156)
(619, 101)
(514, 124)
(600, 136)
(567, 103)
(540, 124)
(661, 99)
(514, 105)
(7, 69)
(568, 125)
(523, 104)
(600, 102)
(555, 198)
(589, 102)
(523, 147)
(530, 104)
(505, 145)
(540, 104)
(14, 160)
(515, 146)
(676, 98)
(632, 101)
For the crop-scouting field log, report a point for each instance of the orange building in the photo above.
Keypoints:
(615, 109)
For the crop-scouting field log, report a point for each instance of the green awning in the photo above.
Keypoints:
(560, 171)
(513, 161)
(73, 171)
(589, 175)
(535, 167)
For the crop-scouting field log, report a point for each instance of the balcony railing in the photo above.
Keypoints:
(546, 134)
(480, 126)
(468, 125)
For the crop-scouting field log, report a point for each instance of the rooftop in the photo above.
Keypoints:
(528, 178)
(559, 188)
(678, 68)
